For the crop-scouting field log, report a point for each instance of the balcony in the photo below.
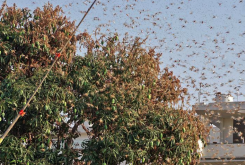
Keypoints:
(230, 151)
(223, 153)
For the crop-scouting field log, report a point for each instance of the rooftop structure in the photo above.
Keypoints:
(226, 138)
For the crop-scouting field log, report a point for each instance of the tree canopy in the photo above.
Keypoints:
(134, 106)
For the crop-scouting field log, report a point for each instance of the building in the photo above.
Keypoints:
(83, 136)
(226, 118)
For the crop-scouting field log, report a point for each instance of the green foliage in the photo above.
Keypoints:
(28, 44)
(29, 41)
(133, 114)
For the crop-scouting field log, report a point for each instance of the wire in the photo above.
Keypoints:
(21, 113)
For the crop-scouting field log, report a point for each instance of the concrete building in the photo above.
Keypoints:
(226, 119)
(83, 136)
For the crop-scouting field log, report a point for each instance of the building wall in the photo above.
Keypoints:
(78, 141)
(227, 130)
(225, 135)
(214, 135)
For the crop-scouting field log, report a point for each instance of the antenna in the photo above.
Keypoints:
(237, 95)
(199, 94)
(237, 90)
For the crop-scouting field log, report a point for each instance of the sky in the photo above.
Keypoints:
(201, 41)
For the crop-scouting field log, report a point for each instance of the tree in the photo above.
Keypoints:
(132, 106)
(117, 86)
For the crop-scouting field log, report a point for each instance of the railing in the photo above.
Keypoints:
(230, 151)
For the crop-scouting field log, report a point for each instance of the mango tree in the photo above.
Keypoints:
(132, 106)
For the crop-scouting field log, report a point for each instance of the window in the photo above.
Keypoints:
(239, 131)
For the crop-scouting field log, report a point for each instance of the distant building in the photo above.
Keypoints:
(226, 138)
(83, 136)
